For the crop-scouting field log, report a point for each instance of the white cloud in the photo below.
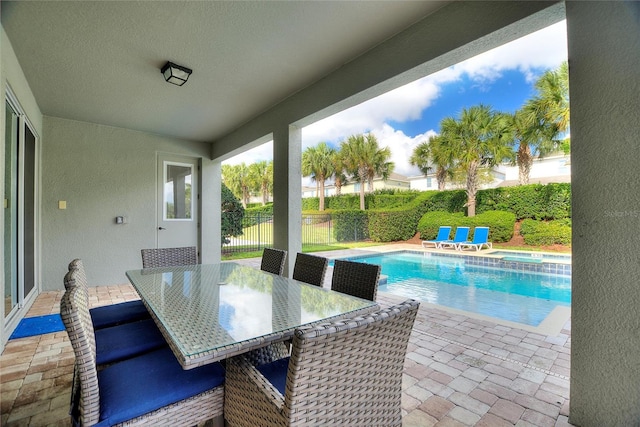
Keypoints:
(531, 55)
(401, 104)
(254, 155)
(401, 147)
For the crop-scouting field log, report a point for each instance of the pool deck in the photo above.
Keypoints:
(459, 371)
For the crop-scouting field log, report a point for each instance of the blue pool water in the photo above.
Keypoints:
(519, 296)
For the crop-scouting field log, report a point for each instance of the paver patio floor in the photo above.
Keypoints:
(459, 371)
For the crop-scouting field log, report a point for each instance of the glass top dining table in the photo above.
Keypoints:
(208, 312)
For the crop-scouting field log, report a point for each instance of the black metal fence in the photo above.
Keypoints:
(317, 230)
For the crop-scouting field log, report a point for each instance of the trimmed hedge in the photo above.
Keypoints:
(390, 225)
(350, 225)
(535, 201)
(382, 201)
(315, 217)
(546, 232)
(500, 224)
(252, 218)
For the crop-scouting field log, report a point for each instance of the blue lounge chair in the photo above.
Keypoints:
(462, 234)
(443, 236)
(480, 239)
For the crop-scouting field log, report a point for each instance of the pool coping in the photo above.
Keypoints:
(550, 325)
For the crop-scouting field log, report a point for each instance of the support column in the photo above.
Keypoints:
(211, 214)
(287, 192)
(604, 59)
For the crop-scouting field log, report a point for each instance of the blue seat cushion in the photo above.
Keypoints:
(117, 314)
(143, 384)
(276, 373)
(125, 341)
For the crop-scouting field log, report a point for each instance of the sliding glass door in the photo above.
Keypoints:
(19, 209)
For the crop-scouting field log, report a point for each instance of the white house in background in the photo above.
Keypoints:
(395, 182)
(552, 168)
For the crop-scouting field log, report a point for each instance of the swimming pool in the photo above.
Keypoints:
(515, 295)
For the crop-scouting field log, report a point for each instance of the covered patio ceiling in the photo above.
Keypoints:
(100, 61)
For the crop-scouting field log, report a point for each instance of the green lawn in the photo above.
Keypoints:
(315, 238)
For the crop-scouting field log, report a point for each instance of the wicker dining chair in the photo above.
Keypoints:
(346, 372)
(118, 342)
(112, 314)
(169, 257)
(273, 260)
(152, 389)
(310, 269)
(356, 278)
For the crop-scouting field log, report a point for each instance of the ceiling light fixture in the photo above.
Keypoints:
(175, 74)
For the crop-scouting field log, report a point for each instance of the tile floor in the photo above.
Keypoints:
(459, 371)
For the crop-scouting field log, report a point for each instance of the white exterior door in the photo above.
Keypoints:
(178, 201)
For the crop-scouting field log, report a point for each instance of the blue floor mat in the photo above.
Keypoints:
(30, 326)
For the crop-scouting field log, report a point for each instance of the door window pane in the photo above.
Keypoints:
(177, 191)
(11, 211)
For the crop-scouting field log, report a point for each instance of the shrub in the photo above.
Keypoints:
(344, 201)
(232, 215)
(500, 224)
(391, 225)
(382, 201)
(258, 215)
(311, 203)
(536, 201)
(350, 225)
(401, 223)
(315, 217)
(546, 232)
(431, 221)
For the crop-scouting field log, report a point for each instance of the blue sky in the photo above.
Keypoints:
(404, 117)
(506, 93)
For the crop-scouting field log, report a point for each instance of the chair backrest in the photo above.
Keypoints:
(462, 234)
(480, 235)
(353, 360)
(169, 257)
(79, 278)
(85, 399)
(273, 260)
(310, 269)
(356, 278)
(443, 232)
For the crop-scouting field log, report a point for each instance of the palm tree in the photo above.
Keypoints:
(317, 163)
(261, 176)
(340, 177)
(433, 153)
(381, 166)
(480, 138)
(365, 160)
(236, 177)
(543, 119)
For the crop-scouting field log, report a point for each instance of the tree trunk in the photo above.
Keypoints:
(338, 187)
(525, 160)
(245, 197)
(441, 177)
(265, 195)
(472, 188)
(362, 176)
(321, 194)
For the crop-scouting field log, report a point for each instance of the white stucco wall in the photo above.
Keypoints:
(101, 172)
(604, 61)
